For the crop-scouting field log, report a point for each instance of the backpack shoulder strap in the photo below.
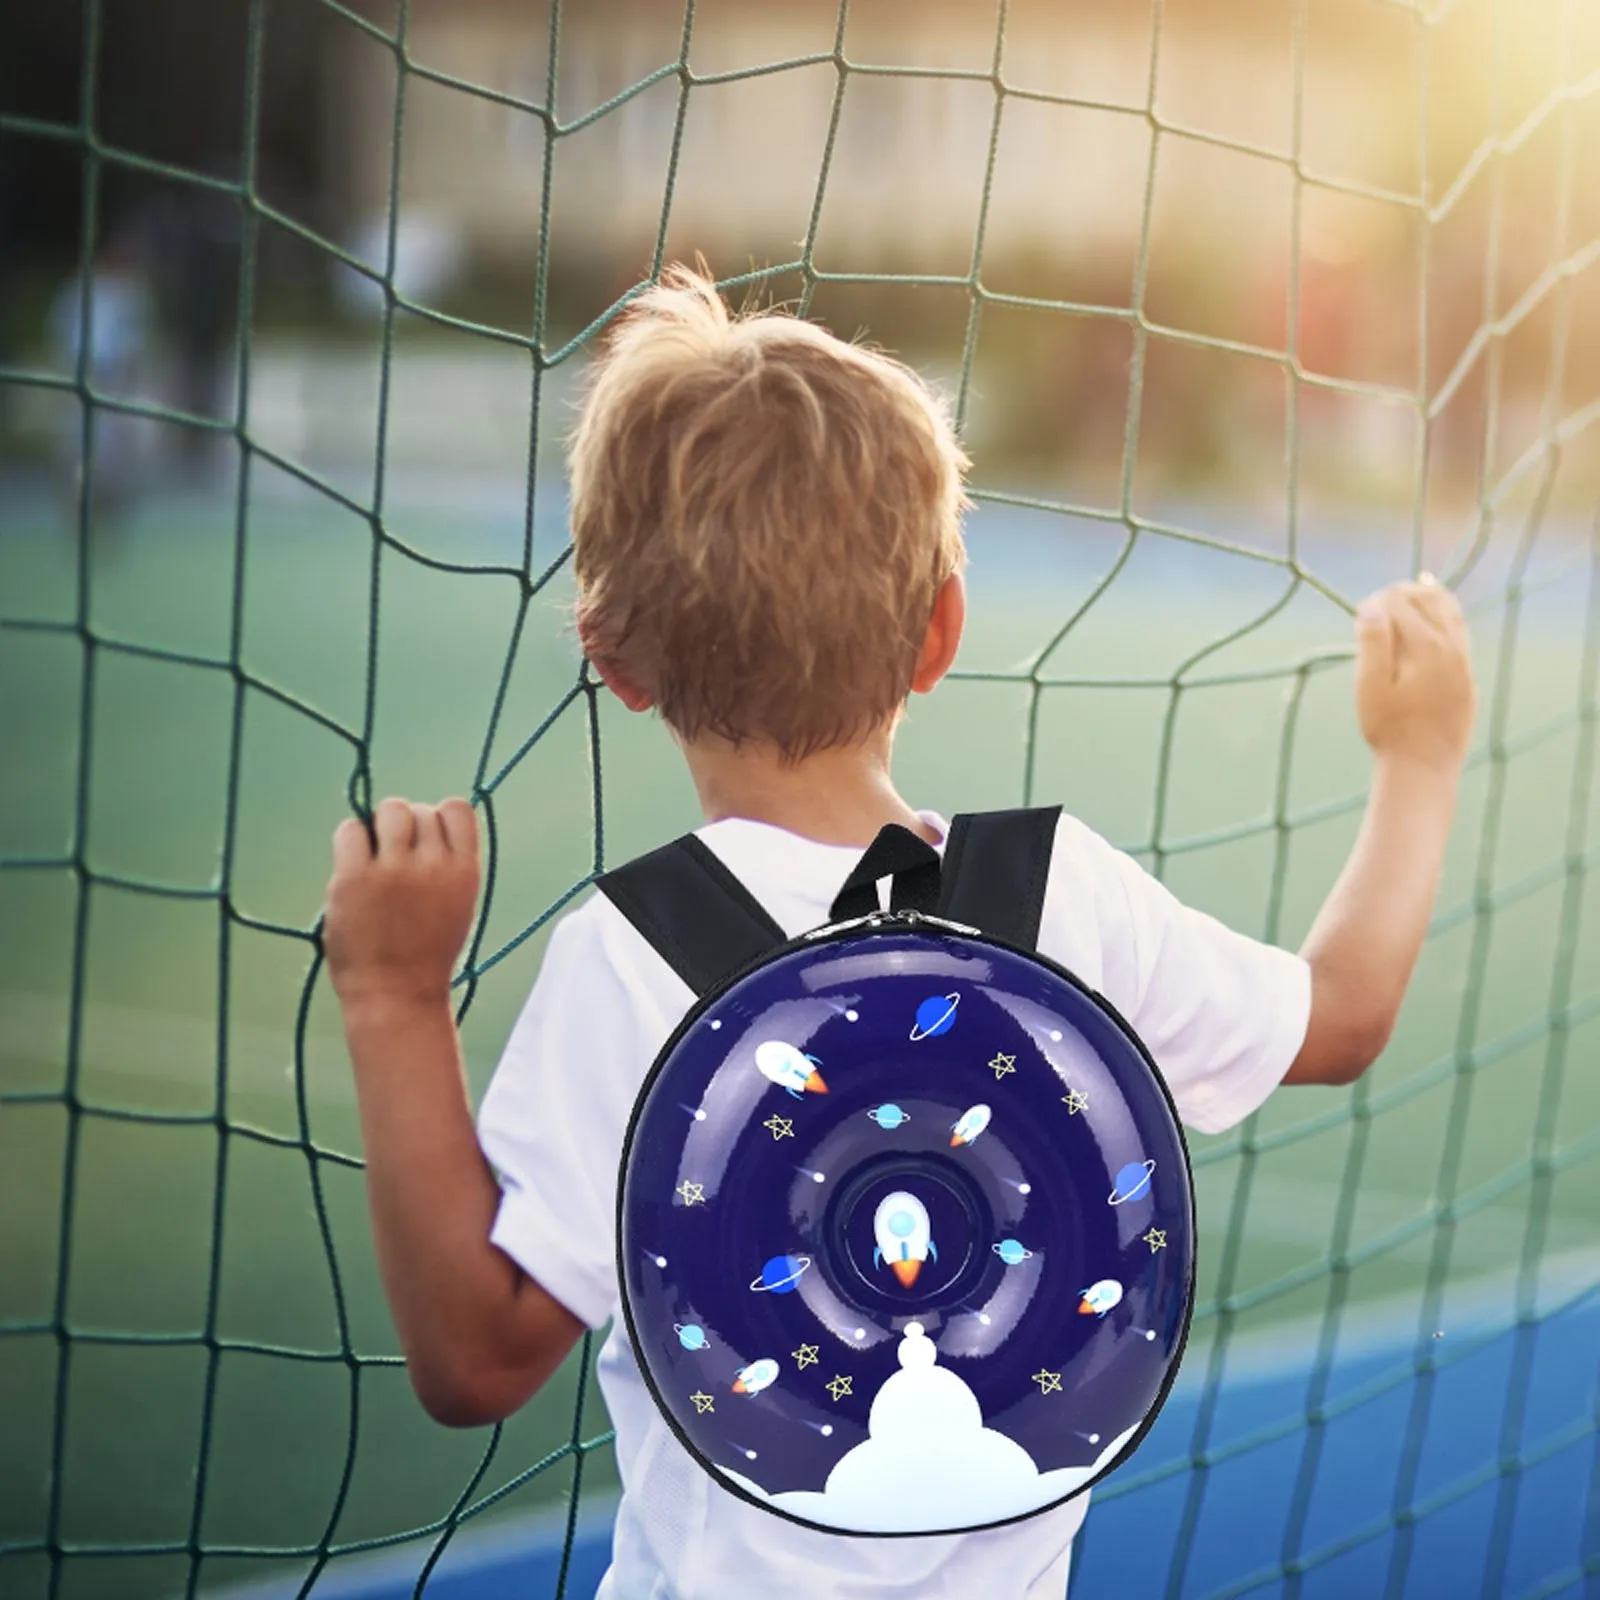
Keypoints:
(696, 914)
(996, 866)
(704, 923)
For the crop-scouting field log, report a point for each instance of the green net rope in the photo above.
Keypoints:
(1453, 1199)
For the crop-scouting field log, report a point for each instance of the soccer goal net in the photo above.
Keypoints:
(1246, 309)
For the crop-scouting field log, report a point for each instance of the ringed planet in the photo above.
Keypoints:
(780, 1274)
(889, 1116)
(936, 1015)
(1133, 1182)
(691, 1335)
(1012, 1251)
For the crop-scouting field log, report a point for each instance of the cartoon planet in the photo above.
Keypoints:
(936, 1015)
(779, 1274)
(969, 1125)
(1132, 1182)
(691, 1335)
(1012, 1252)
(1100, 1297)
(889, 1116)
(757, 1376)
(789, 1068)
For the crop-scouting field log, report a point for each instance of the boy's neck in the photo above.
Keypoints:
(839, 797)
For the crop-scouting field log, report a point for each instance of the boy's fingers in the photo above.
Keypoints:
(1375, 636)
(1447, 608)
(1416, 629)
(395, 825)
(460, 826)
(351, 847)
(1433, 603)
(429, 835)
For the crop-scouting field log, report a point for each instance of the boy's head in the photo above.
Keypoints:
(763, 517)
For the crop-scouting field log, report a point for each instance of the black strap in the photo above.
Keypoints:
(996, 866)
(899, 854)
(705, 924)
(700, 918)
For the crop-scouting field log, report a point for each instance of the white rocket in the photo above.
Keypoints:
(901, 1228)
(757, 1376)
(1100, 1297)
(789, 1068)
(969, 1125)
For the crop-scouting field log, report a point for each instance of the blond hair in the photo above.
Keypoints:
(762, 518)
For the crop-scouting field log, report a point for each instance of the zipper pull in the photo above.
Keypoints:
(943, 923)
(886, 919)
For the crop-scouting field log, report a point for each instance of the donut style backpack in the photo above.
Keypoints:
(905, 1222)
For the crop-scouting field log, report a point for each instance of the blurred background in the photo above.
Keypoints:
(1384, 271)
(1246, 307)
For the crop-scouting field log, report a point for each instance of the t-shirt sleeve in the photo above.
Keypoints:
(1222, 1014)
(556, 1112)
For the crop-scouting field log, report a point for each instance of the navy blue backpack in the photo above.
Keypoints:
(905, 1223)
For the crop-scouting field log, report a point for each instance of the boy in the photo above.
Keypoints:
(767, 546)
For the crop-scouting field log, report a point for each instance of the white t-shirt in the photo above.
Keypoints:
(1222, 1015)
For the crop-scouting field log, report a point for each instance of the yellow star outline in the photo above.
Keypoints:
(703, 1403)
(805, 1356)
(1002, 1064)
(838, 1386)
(779, 1127)
(692, 1194)
(1075, 1102)
(1049, 1382)
(1156, 1238)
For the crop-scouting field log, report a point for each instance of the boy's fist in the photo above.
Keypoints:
(398, 914)
(1414, 690)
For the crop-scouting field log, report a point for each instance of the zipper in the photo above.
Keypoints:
(890, 919)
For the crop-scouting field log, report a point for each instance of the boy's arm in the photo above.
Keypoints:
(1415, 700)
(479, 1335)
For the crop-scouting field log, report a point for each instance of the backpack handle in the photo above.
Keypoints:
(896, 853)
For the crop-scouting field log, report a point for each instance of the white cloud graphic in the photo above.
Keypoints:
(929, 1464)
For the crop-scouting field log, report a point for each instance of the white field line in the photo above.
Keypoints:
(1392, 1325)
(1287, 1209)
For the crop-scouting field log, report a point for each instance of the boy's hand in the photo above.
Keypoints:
(479, 1335)
(398, 915)
(1415, 699)
(1414, 690)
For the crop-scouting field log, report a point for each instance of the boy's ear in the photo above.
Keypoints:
(617, 683)
(612, 676)
(943, 638)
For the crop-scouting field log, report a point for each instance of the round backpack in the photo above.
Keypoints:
(905, 1223)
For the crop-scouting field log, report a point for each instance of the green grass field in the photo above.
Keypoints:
(165, 1026)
